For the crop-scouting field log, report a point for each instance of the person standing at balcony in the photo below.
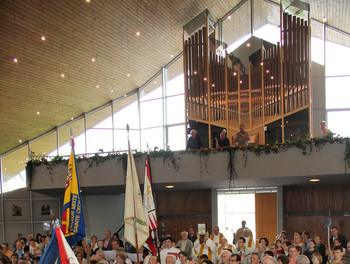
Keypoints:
(324, 132)
(242, 137)
(222, 141)
(194, 141)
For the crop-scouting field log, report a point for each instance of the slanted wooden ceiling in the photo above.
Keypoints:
(76, 31)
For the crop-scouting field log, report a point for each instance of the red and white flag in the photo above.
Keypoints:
(150, 209)
(58, 250)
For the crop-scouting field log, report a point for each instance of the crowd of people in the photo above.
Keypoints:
(215, 249)
(192, 248)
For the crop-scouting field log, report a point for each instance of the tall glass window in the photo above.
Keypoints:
(13, 173)
(337, 82)
(99, 131)
(151, 115)
(78, 130)
(236, 29)
(45, 146)
(126, 112)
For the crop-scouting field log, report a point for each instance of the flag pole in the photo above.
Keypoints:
(135, 228)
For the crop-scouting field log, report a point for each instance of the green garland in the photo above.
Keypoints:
(306, 146)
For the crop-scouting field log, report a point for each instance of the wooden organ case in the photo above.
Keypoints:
(270, 95)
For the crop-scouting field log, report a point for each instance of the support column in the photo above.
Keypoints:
(279, 209)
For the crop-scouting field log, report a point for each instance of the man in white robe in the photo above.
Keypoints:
(216, 236)
(169, 250)
(204, 245)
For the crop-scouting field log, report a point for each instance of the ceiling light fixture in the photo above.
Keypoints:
(229, 17)
(138, 33)
(97, 86)
(324, 19)
(38, 113)
(62, 74)
(43, 37)
(169, 186)
(20, 140)
(128, 75)
(248, 44)
(314, 180)
(93, 59)
(15, 60)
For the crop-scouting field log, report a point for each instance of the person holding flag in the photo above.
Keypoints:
(63, 240)
(136, 230)
(73, 224)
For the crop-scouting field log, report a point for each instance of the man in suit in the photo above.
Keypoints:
(107, 242)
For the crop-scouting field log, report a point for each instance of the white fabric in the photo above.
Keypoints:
(216, 238)
(134, 206)
(164, 253)
(150, 209)
(209, 244)
(70, 254)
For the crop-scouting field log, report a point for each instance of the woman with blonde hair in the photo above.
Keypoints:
(120, 258)
(317, 258)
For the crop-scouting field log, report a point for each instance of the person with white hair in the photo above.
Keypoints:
(225, 257)
(224, 246)
(302, 259)
(216, 236)
(269, 260)
(194, 141)
(185, 244)
(222, 141)
(323, 132)
(170, 259)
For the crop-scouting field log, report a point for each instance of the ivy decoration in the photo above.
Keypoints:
(231, 165)
(203, 155)
(347, 155)
(168, 156)
(307, 146)
(29, 172)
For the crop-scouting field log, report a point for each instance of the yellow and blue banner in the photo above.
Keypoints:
(73, 224)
